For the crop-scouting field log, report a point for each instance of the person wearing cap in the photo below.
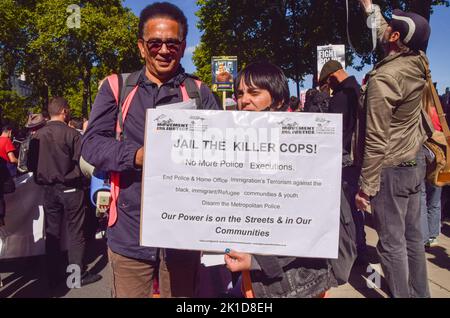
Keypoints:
(345, 101)
(389, 183)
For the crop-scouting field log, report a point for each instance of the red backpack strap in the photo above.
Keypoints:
(184, 92)
(125, 108)
(115, 176)
(113, 81)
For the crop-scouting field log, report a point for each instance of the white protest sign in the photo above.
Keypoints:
(257, 182)
(330, 52)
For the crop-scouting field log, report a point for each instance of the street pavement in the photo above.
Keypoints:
(361, 283)
(24, 278)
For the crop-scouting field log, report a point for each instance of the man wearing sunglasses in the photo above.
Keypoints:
(162, 40)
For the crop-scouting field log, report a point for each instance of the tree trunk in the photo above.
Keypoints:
(44, 98)
(297, 75)
(90, 99)
(315, 78)
(86, 84)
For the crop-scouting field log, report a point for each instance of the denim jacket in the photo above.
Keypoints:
(290, 277)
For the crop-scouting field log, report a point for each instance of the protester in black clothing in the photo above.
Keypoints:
(345, 101)
(316, 101)
(76, 123)
(54, 156)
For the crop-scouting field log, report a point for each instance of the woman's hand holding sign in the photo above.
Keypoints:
(238, 262)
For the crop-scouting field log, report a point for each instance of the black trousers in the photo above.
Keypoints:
(60, 201)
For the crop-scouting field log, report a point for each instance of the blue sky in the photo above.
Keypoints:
(438, 50)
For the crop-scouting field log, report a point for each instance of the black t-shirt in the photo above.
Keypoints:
(54, 155)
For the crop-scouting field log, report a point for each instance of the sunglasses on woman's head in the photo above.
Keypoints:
(154, 45)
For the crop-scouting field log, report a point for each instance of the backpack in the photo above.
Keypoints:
(124, 87)
(22, 164)
(127, 85)
(438, 143)
(347, 252)
(317, 103)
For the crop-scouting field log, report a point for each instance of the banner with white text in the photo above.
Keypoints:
(256, 182)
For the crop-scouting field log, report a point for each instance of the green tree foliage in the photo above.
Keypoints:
(286, 32)
(13, 39)
(60, 58)
(13, 108)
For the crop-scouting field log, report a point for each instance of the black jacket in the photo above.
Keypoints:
(102, 150)
(54, 155)
(290, 277)
(345, 101)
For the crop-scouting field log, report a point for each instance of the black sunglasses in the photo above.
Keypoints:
(154, 45)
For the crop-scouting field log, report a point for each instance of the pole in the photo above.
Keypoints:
(224, 99)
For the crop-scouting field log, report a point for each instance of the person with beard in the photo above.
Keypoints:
(389, 184)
